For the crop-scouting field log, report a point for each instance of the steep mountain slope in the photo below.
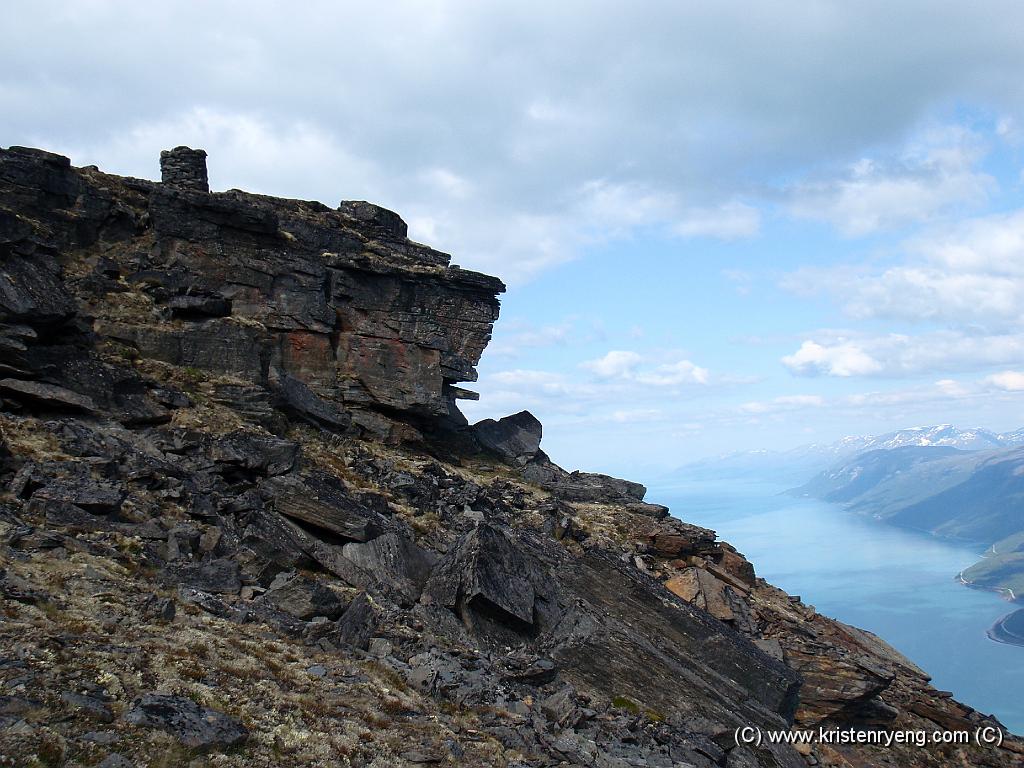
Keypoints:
(975, 496)
(242, 522)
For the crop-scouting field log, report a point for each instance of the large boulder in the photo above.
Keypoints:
(394, 563)
(515, 439)
(302, 597)
(247, 452)
(46, 396)
(216, 576)
(485, 573)
(320, 501)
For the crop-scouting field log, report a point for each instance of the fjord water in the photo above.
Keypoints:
(898, 584)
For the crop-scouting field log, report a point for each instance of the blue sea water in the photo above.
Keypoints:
(899, 584)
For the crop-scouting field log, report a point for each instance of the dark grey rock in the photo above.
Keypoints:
(196, 727)
(220, 575)
(357, 625)
(184, 168)
(18, 706)
(250, 452)
(39, 394)
(561, 708)
(193, 306)
(582, 486)
(13, 587)
(484, 571)
(420, 757)
(89, 707)
(320, 501)
(394, 563)
(515, 439)
(656, 511)
(218, 345)
(156, 608)
(213, 605)
(104, 738)
(388, 221)
(83, 492)
(529, 668)
(300, 401)
(272, 543)
(303, 598)
(31, 289)
(253, 402)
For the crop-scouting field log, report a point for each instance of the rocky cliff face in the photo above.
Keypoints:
(243, 523)
(333, 312)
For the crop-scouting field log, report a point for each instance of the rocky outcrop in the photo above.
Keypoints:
(240, 513)
(333, 311)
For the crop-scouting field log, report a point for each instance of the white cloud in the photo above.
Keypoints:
(635, 415)
(513, 338)
(615, 364)
(631, 366)
(535, 383)
(782, 403)
(840, 358)
(674, 374)
(990, 244)
(925, 293)
(800, 400)
(891, 355)
(1011, 381)
(611, 208)
(964, 274)
(951, 387)
(927, 178)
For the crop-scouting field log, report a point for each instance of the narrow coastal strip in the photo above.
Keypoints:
(1009, 629)
(1006, 593)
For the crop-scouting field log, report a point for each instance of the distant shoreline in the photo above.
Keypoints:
(1009, 629)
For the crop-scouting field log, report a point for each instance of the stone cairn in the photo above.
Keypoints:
(184, 168)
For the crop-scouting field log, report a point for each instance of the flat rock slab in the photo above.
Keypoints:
(46, 395)
(322, 504)
(194, 726)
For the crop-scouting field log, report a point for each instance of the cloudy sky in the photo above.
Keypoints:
(723, 225)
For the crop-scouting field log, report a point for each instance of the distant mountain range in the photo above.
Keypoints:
(797, 464)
